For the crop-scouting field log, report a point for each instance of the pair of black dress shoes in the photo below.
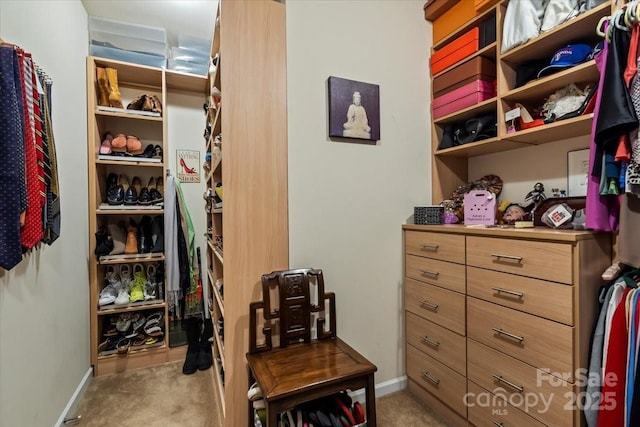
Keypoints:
(150, 234)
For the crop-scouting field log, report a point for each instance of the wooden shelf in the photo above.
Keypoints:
(159, 346)
(133, 74)
(129, 258)
(480, 148)
(489, 51)
(582, 27)
(570, 128)
(216, 293)
(186, 82)
(465, 27)
(129, 163)
(129, 211)
(215, 250)
(469, 112)
(541, 88)
(219, 385)
(130, 116)
(215, 42)
(218, 342)
(133, 306)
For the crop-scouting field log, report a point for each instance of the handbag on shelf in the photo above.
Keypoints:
(472, 130)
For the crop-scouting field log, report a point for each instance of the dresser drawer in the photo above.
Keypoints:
(442, 246)
(488, 410)
(525, 387)
(441, 273)
(442, 344)
(441, 306)
(545, 299)
(543, 260)
(433, 376)
(536, 341)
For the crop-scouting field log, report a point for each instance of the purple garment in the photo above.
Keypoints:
(601, 211)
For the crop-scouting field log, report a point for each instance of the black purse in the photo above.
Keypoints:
(477, 129)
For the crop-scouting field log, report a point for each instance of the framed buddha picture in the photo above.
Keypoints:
(354, 109)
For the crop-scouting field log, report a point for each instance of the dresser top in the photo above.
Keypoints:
(539, 233)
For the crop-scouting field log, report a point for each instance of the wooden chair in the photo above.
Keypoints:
(300, 368)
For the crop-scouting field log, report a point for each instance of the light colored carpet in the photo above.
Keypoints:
(161, 396)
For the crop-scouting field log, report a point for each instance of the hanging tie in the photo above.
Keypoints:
(11, 173)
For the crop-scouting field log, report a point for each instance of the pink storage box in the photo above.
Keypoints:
(463, 97)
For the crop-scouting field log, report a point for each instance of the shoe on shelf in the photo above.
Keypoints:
(115, 100)
(525, 119)
(105, 147)
(131, 246)
(137, 286)
(148, 151)
(103, 87)
(134, 146)
(144, 235)
(151, 287)
(157, 235)
(130, 191)
(104, 242)
(109, 293)
(216, 157)
(118, 237)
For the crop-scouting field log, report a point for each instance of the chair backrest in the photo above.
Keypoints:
(295, 308)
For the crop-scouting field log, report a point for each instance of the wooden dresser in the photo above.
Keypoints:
(499, 321)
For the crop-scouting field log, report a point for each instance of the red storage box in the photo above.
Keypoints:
(478, 68)
(463, 97)
(465, 45)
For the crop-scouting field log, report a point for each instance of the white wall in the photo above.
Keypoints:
(546, 163)
(44, 314)
(186, 121)
(348, 201)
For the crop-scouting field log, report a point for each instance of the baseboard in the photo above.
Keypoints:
(72, 405)
(383, 389)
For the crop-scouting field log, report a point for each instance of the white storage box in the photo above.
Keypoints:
(128, 56)
(188, 67)
(195, 43)
(126, 36)
(188, 55)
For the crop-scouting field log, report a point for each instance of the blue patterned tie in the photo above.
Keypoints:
(11, 175)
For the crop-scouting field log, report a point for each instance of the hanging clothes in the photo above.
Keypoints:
(602, 211)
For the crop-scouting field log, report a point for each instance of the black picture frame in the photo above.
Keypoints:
(349, 120)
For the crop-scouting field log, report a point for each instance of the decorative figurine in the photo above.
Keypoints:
(535, 196)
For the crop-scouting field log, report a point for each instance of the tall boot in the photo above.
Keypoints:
(114, 93)
(205, 356)
(192, 327)
(103, 87)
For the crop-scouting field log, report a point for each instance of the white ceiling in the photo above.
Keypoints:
(194, 18)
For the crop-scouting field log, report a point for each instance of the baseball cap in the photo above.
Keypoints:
(568, 56)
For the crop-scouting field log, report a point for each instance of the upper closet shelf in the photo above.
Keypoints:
(578, 29)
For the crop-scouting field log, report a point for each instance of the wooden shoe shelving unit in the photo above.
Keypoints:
(133, 80)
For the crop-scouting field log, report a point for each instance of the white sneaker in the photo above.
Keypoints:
(125, 279)
(109, 293)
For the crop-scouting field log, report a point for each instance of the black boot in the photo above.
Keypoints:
(205, 357)
(192, 327)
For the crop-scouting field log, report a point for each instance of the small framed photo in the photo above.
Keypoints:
(354, 109)
(577, 172)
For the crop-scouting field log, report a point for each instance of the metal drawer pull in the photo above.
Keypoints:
(431, 247)
(429, 304)
(426, 340)
(430, 273)
(499, 256)
(429, 378)
(507, 291)
(498, 423)
(508, 383)
(503, 332)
